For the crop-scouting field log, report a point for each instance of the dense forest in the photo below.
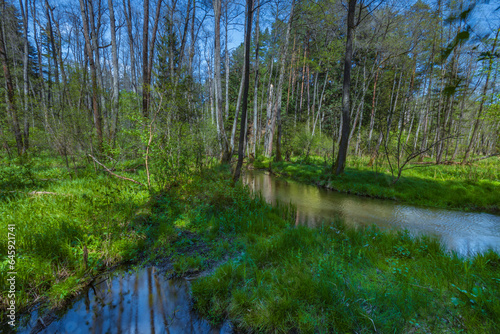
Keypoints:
(126, 128)
(123, 80)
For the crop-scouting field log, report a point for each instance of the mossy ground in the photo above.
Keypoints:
(472, 187)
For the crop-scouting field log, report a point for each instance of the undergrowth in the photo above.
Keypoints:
(269, 276)
(67, 228)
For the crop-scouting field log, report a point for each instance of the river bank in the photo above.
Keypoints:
(333, 278)
(468, 188)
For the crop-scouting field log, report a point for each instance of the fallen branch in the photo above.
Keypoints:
(116, 175)
(448, 162)
(34, 193)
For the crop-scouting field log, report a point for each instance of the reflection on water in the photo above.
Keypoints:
(140, 302)
(464, 232)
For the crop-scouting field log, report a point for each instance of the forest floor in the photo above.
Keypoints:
(258, 269)
(471, 187)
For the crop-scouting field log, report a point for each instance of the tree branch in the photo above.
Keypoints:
(116, 175)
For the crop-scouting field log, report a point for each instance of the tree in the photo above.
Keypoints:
(116, 83)
(490, 56)
(246, 81)
(221, 132)
(90, 49)
(11, 102)
(346, 87)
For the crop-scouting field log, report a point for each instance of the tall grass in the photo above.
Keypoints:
(271, 276)
(336, 279)
(67, 231)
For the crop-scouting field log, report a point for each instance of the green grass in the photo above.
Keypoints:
(189, 229)
(335, 279)
(473, 187)
(54, 226)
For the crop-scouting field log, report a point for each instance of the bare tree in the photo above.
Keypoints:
(89, 47)
(116, 83)
(256, 86)
(221, 132)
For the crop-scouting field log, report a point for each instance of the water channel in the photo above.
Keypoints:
(466, 233)
(145, 302)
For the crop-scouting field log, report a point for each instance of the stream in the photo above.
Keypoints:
(466, 233)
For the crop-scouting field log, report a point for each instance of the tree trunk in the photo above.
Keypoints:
(11, 103)
(128, 17)
(270, 122)
(279, 90)
(226, 64)
(372, 115)
(225, 152)
(344, 141)
(483, 100)
(93, 74)
(24, 14)
(145, 42)
(320, 103)
(246, 82)
(256, 85)
(237, 111)
(116, 83)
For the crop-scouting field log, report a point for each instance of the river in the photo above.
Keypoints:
(466, 233)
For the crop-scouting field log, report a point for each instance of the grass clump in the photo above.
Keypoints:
(206, 220)
(66, 230)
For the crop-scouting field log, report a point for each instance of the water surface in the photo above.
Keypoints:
(464, 232)
(134, 302)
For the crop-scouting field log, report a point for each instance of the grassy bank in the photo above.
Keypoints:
(67, 227)
(473, 187)
(339, 280)
(70, 228)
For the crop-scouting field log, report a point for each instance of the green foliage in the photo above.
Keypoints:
(55, 225)
(14, 175)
